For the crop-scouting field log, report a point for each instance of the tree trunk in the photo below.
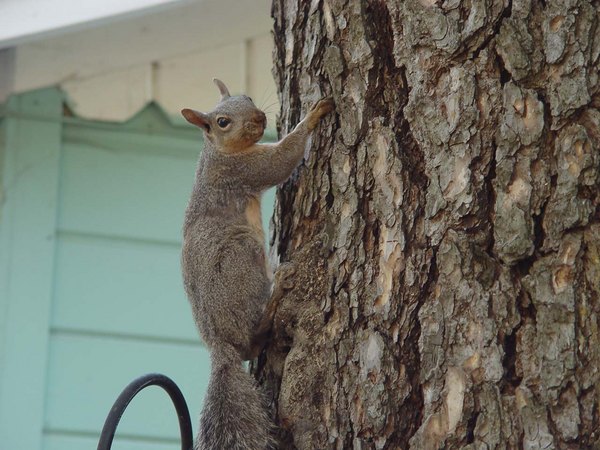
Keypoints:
(445, 226)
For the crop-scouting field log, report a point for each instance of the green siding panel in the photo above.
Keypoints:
(123, 193)
(66, 441)
(86, 373)
(121, 286)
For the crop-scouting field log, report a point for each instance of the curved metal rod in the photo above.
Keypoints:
(132, 389)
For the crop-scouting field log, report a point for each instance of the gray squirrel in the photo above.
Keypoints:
(225, 270)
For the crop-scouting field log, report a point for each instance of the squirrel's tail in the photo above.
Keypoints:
(234, 414)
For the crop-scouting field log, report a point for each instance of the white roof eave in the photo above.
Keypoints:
(27, 20)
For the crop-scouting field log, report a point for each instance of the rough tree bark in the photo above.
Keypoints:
(445, 226)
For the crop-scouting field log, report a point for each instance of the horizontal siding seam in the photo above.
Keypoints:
(135, 240)
(144, 338)
(48, 431)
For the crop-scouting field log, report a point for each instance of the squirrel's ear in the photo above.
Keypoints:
(222, 89)
(196, 118)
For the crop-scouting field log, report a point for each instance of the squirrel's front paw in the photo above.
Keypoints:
(322, 107)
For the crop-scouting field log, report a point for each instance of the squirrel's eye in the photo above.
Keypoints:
(223, 122)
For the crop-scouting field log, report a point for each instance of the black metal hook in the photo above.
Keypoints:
(132, 389)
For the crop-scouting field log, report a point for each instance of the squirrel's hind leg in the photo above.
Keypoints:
(282, 283)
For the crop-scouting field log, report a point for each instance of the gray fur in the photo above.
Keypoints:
(224, 263)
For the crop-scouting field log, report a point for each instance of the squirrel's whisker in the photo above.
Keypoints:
(270, 106)
(263, 100)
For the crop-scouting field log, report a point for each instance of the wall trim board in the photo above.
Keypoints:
(31, 183)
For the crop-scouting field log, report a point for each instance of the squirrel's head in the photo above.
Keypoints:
(234, 125)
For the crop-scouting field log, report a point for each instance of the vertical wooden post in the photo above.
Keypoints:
(27, 238)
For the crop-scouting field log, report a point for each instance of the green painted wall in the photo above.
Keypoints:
(90, 284)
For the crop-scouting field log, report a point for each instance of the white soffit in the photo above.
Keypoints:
(194, 27)
(110, 70)
(24, 20)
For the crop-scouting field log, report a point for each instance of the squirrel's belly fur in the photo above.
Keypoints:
(216, 291)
